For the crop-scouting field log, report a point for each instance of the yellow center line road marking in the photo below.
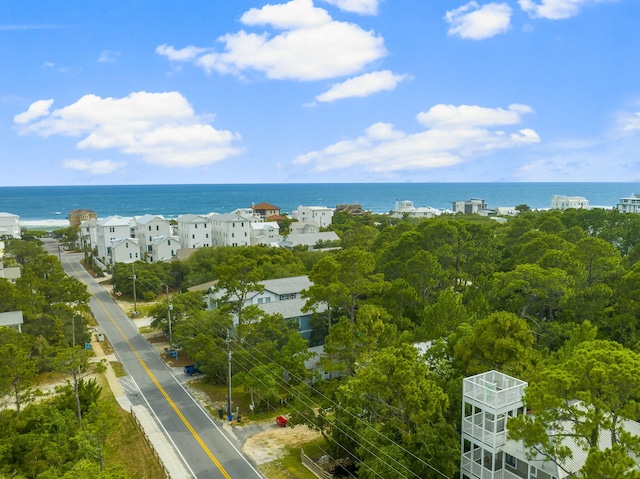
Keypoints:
(159, 386)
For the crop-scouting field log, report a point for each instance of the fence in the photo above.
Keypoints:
(149, 443)
(313, 467)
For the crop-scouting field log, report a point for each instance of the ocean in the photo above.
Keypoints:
(48, 206)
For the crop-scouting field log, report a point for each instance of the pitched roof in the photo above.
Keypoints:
(143, 220)
(191, 218)
(265, 206)
(114, 221)
(290, 308)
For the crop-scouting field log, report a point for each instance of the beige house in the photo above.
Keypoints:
(76, 217)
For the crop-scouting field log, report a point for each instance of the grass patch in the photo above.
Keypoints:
(146, 329)
(118, 369)
(240, 399)
(290, 466)
(126, 445)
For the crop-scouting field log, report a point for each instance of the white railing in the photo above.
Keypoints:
(479, 472)
(492, 393)
(477, 431)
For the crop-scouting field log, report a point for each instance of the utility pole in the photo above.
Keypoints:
(135, 302)
(169, 309)
(229, 412)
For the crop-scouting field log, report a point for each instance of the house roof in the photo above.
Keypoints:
(143, 220)
(118, 241)
(156, 240)
(294, 284)
(309, 239)
(265, 206)
(302, 225)
(278, 286)
(204, 286)
(191, 218)
(114, 221)
(290, 308)
(265, 225)
(226, 217)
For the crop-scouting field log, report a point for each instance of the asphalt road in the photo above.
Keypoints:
(199, 439)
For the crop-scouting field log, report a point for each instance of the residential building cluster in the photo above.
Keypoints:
(153, 238)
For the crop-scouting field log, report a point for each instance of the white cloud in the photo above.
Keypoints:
(363, 85)
(184, 54)
(555, 9)
(102, 167)
(291, 15)
(455, 135)
(162, 128)
(628, 123)
(312, 46)
(36, 110)
(471, 116)
(473, 22)
(107, 56)
(362, 7)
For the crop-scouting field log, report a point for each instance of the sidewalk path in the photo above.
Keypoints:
(164, 450)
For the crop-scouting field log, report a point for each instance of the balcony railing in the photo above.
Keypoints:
(494, 389)
(476, 471)
(477, 431)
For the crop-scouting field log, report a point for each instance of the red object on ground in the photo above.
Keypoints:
(281, 421)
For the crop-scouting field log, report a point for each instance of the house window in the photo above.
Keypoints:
(534, 472)
(130, 255)
(511, 461)
(207, 235)
(112, 229)
(233, 235)
(149, 227)
(193, 236)
(157, 227)
(126, 245)
(284, 297)
(168, 242)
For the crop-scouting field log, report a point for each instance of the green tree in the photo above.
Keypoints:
(203, 336)
(391, 414)
(587, 398)
(75, 362)
(18, 372)
(351, 342)
(176, 307)
(501, 341)
(532, 292)
(601, 259)
(236, 280)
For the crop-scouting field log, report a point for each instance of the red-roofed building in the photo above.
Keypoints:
(265, 210)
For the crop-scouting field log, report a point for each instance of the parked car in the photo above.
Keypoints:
(191, 370)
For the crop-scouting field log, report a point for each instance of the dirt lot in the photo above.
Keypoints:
(272, 444)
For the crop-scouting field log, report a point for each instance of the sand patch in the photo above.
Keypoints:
(272, 444)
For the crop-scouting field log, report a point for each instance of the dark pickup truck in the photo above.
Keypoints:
(191, 370)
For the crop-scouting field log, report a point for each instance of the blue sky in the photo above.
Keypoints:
(158, 91)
